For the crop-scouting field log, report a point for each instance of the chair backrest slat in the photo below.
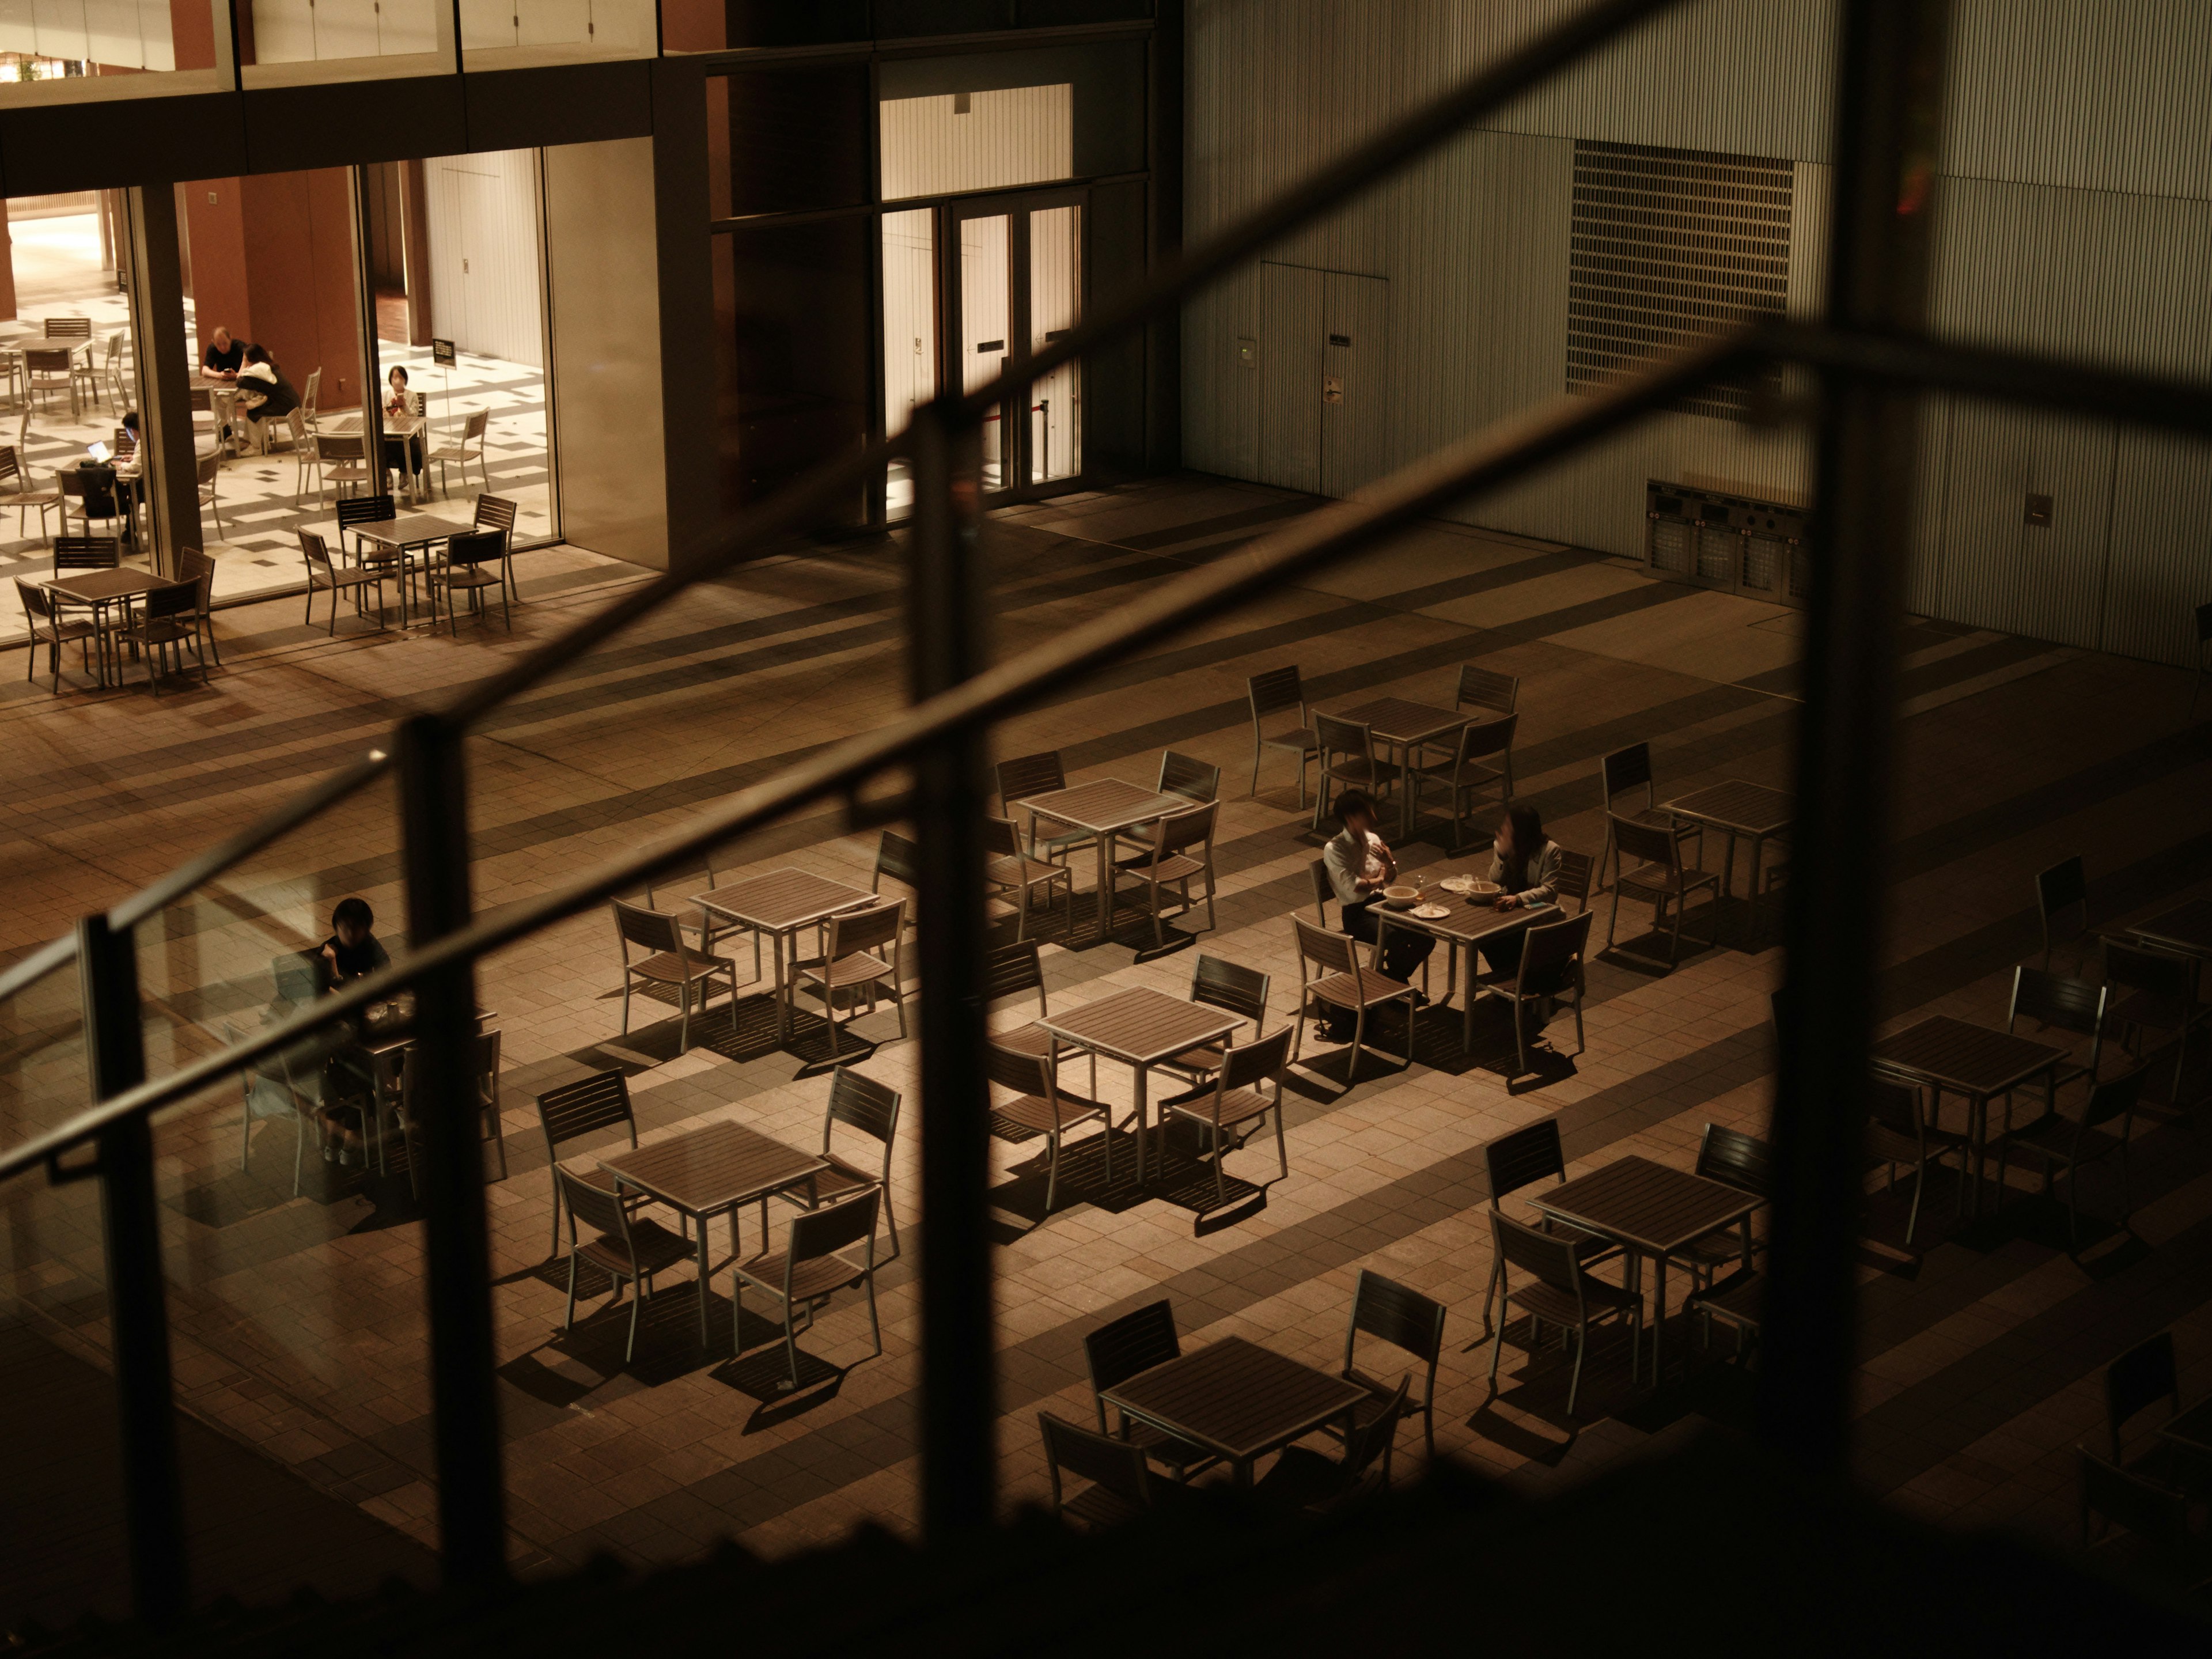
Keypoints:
(2115, 1097)
(1275, 690)
(591, 1104)
(1479, 688)
(590, 1207)
(1240, 990)
(2128, 967)
(1524, 1155)
(1574, 879)
(1737, 1159)
(1181, 829)
(87, 552)
(1116, 1465)
(1323, 889)
(478, 548)
(899, 858)
(1135, 1342)
(1644, 843)
(1014, 968)
(1626, 768)
(1549, 955)
(1341, 737)
(1002, 837)
(862, 1104)
(1549, 1257)
(818, 1233)
(1029, 1074)
(1185, 774)
(856, 930)
(656, 930)
(1384, 1309)
(1479, 737)
(494, 512)
(1331, 952)
(1029, 774)
(2056, 1000)
(2156, 1514)
(1893, 1129)
(1257, 1062)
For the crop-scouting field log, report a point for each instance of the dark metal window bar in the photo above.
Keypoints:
(1870, 360)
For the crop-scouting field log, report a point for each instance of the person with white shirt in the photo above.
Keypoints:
(1361, 865)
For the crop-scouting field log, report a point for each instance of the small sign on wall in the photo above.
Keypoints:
(2039, 511)
(442, 352)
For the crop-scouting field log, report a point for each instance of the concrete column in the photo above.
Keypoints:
(165, 407)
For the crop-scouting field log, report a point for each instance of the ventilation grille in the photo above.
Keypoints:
(1671, 247)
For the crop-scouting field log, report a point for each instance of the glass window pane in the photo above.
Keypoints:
(909, 333)
(1056, 418)
(292, 42)
(983, 310)
(797, 140)
(990, 119)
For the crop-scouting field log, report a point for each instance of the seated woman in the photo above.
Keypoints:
(401, 455)
(263, 393)
(1525, 862)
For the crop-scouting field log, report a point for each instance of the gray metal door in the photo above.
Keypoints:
(1291, 369)
(1355, 403)
(2027, 522)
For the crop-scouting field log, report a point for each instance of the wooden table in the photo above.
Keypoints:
(407, 532)
(1651, 1210)
(1141, 1027)
(1402, 727)
(2186, 928)
(100, 589)
(779, 904)
(397, 429)
(711, 1169)
(1751, 810)
(1104, 809)
(1472, 921)
(1237, 1400)
(1941, 1053)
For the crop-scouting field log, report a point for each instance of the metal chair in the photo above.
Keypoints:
(668, 961)
(1519, 1158)
(464, 571)
(1388, 1311)
(1324, 890)
(2073, 1004)
(1162, 859)
(67, 328)
(2136, 1381)
(1898, 1133)
(496, 515)
(1563, 1294)
(869, 1108)
(1011, 869)
(342, 463)
(1118, 1350)
(1010, 971)
(1659, 878)
(1746, 1162)
(270, 1091)
(1187, 776)
(629, 1249)
(2155, 1516)
(1738, 1301)
(1347, 757)
(1550, 968)
(1029, 775)
(2062, 903)
(808, 1271)
(95, 493)
(1039, 1106)
(1120, 1486)
(468, 447)
(325, 577)
(600, 1101)
(167, 617)
(2154, 991)
(1238, 1097)
(1622, 771)
(1217, 983)
(850, 959)
(51, 369)
(194, 566)
(1573, 881)
(15, 491)
(2064, 1146)
(1468, 774)
(484, 1070)
(40, 614)
(210, 473)
(1272, 693)
(1302, 1479)
(1337, 980)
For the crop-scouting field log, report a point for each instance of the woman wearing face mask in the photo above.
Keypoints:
(1525, 863)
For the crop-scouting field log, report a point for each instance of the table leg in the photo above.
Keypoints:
(1658, 1312)
(1978, 1131)
(1751, 928)
(1403, 754)
(1467, 1010)
(1143, 1134)
(782, 1005)
(1106, 897)
(702, 1220)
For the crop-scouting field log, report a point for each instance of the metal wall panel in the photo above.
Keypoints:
(2159, 566)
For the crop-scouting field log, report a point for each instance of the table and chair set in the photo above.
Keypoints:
(111, 611)
(423, 557)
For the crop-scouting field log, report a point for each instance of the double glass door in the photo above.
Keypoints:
(1009, 271)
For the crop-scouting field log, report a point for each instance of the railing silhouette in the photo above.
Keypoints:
(1868, 359)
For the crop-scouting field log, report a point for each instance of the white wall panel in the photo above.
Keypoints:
(1016, 136)
(484, 292)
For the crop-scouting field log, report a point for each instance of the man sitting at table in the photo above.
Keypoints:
(225, 356)
(1361, 865)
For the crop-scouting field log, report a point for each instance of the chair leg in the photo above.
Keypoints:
(1582, 1352)
(568, 1319)
(1052, 1168)
(875, 1329)
(636, 1306)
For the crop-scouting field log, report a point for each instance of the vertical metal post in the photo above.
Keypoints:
(138, 1319)
(156, 291)
(945, 619)
(1889, 98)
(472, 1496)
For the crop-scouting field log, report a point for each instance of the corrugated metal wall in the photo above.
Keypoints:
(2075, 215)
(483, 216)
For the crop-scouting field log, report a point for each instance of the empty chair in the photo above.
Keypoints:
(496, 516)
(2135, 1383)
(1659, 878)
(1519, 1158)
(166, 618)
(2062, 902)
(51, 369)
(1738, 1301)
(341, 463)
(69, 328)
(1187, 776)
(1347, 758)
(854, 958)
(210, 473)
(628, 1248)
(483, 1075)
(1217, 983)
(1302, 1479)
(897, 857)
(47, 626)
(2063, 1145)
(194, 566)
(325, 577)
(1550, 971)
(1273, 692)
(468, 568)
(2153, 992)
(1011, 869)
(468, 446)
(1028, 775)
(1469, 773)
(16, 491)
(1490, 694)
(1898, 1134)
(667, 961)
(1561, 1293)
(1623, 772)
(1179, 850)
(86, 553)
(1121, 1481)
(574, 1110)
(1120, 1349)
(1239, 1095)
(1017, 969)
(1739, 1160)
(1573, 881)
(270, 1091)
(2154, 1514)
(1389, 1312)
(1039, 1106)
(809, 1270)
(2072, 1005)
(868, 1108)
(1330, 974)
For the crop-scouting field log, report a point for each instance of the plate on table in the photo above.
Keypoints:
(1431, 912)
(1461, 884)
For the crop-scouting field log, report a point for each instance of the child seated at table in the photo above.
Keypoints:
(353, 949)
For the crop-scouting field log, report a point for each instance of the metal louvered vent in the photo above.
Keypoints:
(1670, 246)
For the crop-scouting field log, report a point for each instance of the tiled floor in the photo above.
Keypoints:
(263, 500)
(298, 1321)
